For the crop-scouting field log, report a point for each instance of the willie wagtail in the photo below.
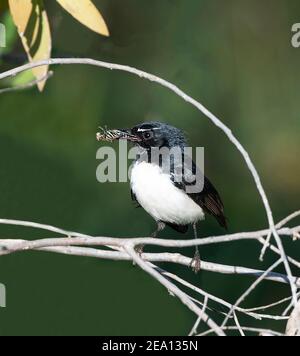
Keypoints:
(159, 191)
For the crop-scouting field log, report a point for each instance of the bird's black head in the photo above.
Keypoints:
(156, 134)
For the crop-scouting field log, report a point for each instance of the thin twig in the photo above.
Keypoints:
(278, 226)
(238, 325)
(198, 321)
(251, 289)
(221, 301)
(173, 289)
(293, 325)
(272, 305)
(26, 86)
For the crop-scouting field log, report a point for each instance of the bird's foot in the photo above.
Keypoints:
(196, 262)
(139, 249)
(160, 227)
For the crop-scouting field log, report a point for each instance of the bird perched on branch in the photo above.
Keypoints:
(165, 189)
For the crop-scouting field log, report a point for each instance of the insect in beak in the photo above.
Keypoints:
(112, 135)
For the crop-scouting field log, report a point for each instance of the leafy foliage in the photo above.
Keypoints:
(31, 20)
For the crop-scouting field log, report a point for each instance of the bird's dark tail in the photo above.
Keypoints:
(222, 220)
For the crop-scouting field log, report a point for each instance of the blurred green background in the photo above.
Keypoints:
(234, 56)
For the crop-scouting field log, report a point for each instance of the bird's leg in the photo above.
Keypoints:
(196, 261)
(139, 249)
(160, 226)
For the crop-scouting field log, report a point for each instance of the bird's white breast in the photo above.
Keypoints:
(156, 193)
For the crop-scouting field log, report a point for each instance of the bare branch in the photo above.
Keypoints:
(198, 321)
(173, 289)
(293, 326)
(251, 289)
(123, 249)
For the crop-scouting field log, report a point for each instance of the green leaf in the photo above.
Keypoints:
(22, 79)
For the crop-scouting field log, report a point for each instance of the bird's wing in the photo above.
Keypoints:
(183, 176)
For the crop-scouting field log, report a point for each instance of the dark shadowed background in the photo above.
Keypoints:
(235, 57)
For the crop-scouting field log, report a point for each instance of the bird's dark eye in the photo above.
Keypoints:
(147, 135)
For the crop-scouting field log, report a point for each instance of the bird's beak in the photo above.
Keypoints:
(126, 134)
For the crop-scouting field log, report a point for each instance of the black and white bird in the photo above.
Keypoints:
(158, 191)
